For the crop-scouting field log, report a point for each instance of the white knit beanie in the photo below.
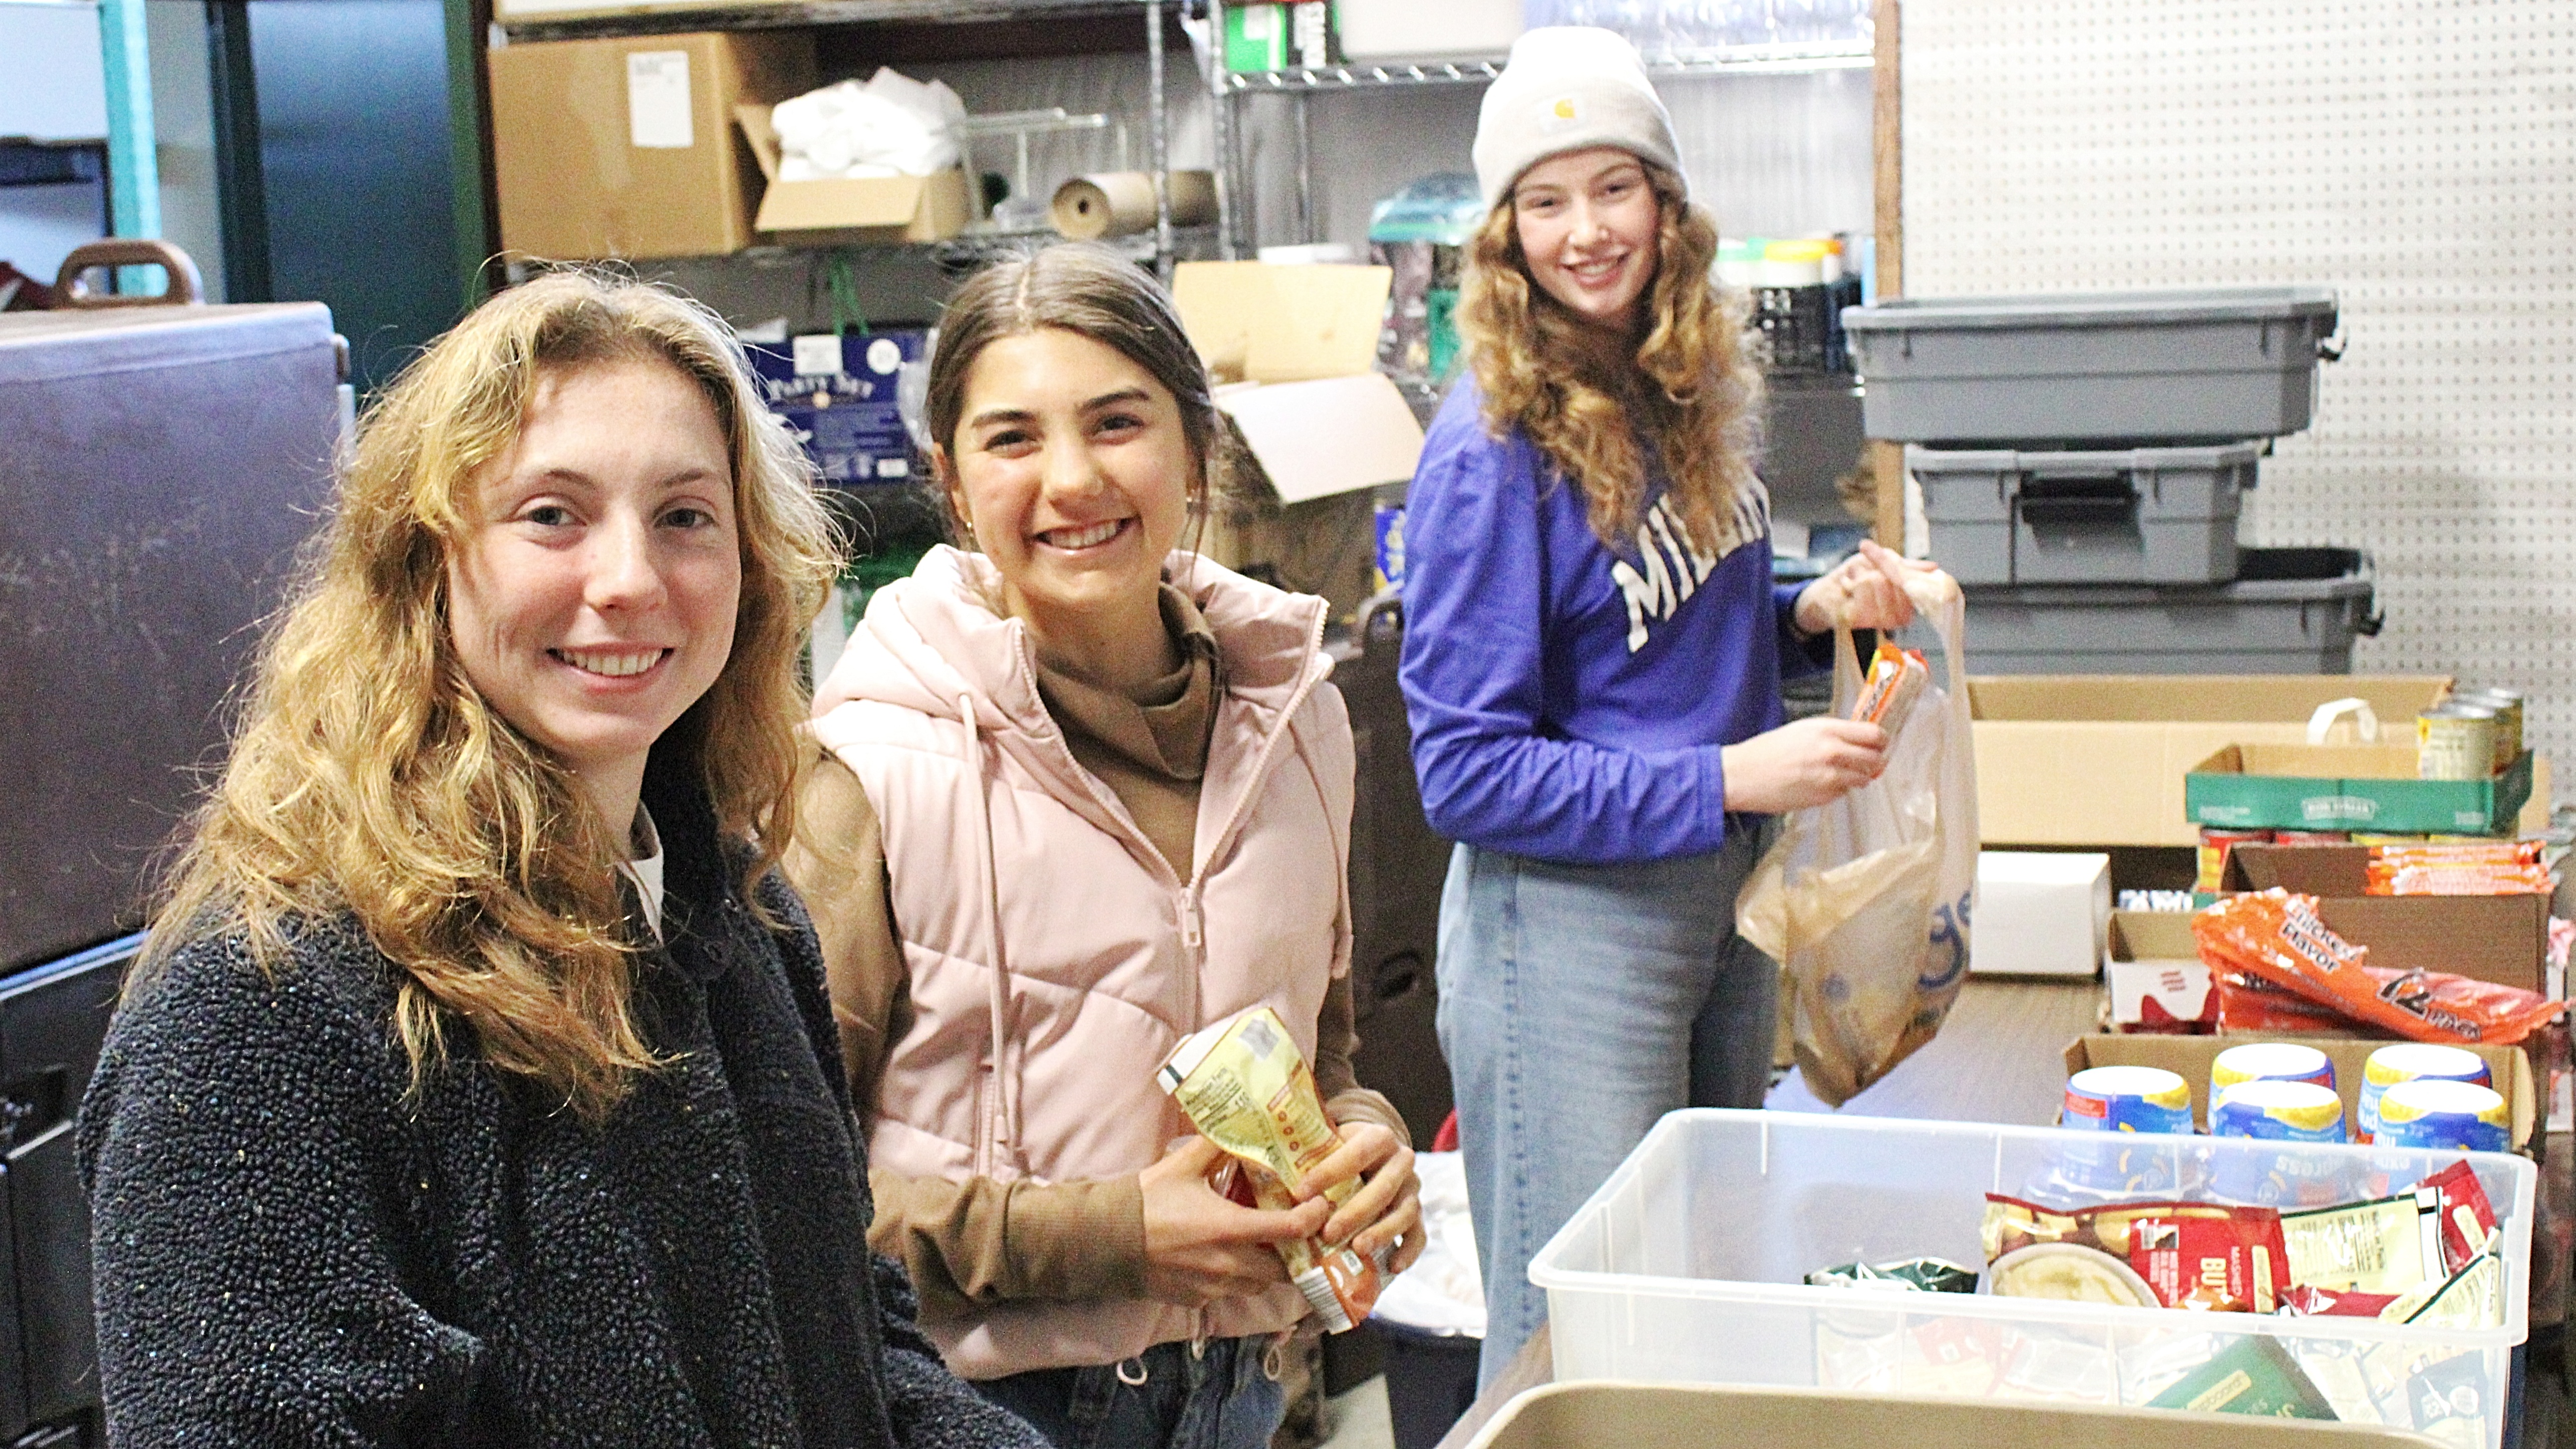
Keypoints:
(1567, 88)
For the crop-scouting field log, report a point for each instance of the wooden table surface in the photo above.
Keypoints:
(1997, 1059)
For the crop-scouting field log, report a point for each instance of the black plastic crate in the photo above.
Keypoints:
(1802, 327)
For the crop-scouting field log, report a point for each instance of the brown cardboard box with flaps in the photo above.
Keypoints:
(1316, 427)
(848, 211)
(2504, 939)
(625, 146)
(2099, 760)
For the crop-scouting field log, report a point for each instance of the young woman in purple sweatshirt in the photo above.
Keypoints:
(1592, 660)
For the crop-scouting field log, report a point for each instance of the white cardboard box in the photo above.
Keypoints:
(2040, 913)
(2152, 958)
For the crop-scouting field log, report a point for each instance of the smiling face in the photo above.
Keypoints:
(1071, 466)
(1588, 223)
(592, 596)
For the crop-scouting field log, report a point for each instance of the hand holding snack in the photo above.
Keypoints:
(1383, 1219)
(1245, 1085)
(1802, 764)
(1199, 1245)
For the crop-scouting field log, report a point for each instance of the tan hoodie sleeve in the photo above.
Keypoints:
(1337, 1040)
(963, 1243)
(837, 864)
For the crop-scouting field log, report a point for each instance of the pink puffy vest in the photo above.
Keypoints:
(1004, 851)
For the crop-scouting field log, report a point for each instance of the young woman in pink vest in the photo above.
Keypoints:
(1082, 792)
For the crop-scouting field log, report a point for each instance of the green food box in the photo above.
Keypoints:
(1270, 36)
(2347, 787)
(2253, 1375)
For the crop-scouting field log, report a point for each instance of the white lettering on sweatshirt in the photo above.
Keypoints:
(1669, 570)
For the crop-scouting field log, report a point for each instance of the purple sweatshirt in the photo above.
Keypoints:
(1568, 700)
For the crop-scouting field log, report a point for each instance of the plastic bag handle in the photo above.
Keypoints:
(2365, 721)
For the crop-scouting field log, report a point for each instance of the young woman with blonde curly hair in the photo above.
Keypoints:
(478, 1084)
(1592, 659)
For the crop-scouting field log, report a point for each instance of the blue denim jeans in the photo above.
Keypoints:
(1221, 1394)
(1578, 1005)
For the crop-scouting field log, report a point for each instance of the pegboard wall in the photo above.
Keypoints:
(2417, 155)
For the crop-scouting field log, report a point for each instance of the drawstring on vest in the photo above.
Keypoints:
(1004, 1128)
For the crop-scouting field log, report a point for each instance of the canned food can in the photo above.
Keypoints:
(2128, 1099)
(2507, 703)
(2214, 844)
(2270, 1061)
(2412, 1062)
(2455, 742)
(2445, 1116)
(2278, 1111)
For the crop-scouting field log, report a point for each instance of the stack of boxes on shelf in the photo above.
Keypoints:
(2083, 460)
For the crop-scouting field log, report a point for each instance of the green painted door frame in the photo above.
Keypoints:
(468, 166)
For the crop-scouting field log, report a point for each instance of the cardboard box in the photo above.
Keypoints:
(527, 12)
(625, 147)
(1255, 322)
(838, 395)
(851, 211)
(2040, 913)
(2099, 760)
(2189, 1057)
(2504, 939)
(1320, 428)
(1446, 29)
(2346, 787)
(2152, 973)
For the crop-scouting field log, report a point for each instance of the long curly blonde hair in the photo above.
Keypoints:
(1692, 387)
(368, 776)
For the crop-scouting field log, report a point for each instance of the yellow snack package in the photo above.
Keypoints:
(1244, 1085)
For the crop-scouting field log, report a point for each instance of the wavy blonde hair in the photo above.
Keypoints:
(1691, 388)
(367, 774)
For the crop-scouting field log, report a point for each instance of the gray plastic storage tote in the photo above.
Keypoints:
(2141, 515)
(2290, 611)
(2213, 364)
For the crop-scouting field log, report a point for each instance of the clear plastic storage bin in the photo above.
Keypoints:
(1688, 1266)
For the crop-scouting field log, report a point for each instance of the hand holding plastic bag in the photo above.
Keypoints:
(1865, 901)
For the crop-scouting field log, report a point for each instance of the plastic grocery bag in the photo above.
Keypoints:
(1865, 902)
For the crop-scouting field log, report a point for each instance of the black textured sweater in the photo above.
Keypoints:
(288, 1253)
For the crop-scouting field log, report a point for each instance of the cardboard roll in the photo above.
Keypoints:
(1118, 203)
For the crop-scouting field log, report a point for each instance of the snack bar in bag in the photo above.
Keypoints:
(1896, 679)
(1244, 1085)
(2278, 937)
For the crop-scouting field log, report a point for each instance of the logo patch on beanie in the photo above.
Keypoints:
(1564, 111)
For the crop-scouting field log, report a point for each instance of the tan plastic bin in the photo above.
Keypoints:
(1599, 1414)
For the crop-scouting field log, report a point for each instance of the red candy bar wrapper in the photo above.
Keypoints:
(2279, 937)
(2231, 1264)
(2305, 1302)
(2467, 1218)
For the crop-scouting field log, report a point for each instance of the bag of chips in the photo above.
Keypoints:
(2467, 868)
(2199, 1255)
(2278, 936)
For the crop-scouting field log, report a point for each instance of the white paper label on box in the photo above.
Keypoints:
(657, 101)
(818, 354)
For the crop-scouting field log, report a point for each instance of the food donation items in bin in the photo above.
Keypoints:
(2277, 962)
(1244, 1085)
